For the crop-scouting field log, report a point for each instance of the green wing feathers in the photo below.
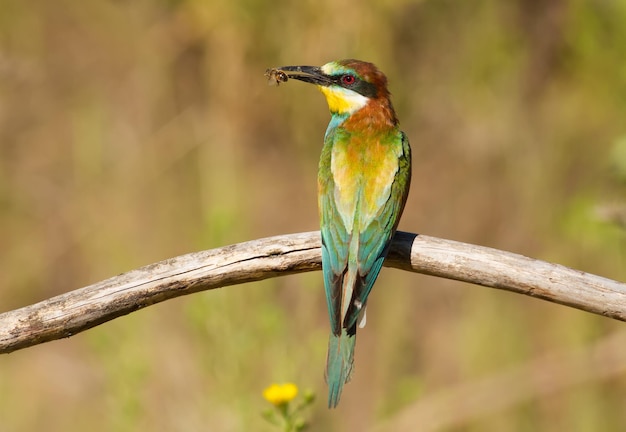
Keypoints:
(375, 239)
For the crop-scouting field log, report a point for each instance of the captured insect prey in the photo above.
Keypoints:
(275, 76)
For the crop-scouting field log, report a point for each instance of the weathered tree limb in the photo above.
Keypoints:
(79, 310)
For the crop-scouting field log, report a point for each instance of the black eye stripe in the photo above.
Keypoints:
(359, 85)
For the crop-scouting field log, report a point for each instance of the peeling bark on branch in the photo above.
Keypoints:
(79, 310)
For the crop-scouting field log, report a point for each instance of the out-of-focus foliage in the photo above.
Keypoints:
(133, 131)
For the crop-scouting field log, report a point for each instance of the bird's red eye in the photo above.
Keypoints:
(348, 79)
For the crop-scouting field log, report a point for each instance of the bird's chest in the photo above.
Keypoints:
(363, 171)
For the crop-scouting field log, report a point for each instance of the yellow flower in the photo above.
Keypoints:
(280, 394)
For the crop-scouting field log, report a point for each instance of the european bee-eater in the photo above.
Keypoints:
(363, 182)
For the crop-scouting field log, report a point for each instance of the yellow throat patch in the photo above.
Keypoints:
(343, 101)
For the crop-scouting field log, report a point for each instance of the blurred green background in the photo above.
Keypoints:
(134, 131)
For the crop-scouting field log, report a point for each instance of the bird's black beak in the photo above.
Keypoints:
(309, 74)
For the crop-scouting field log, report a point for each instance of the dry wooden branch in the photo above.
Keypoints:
(79, 310)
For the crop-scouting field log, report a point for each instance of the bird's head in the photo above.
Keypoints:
(349, 85)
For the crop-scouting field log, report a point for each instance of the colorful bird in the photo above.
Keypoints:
(363, 180)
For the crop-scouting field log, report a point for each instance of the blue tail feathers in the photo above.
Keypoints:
(339, 364)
